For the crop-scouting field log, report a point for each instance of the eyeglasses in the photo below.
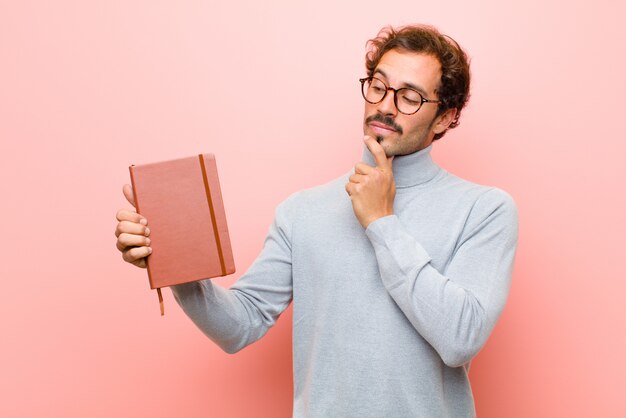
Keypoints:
(407, 101)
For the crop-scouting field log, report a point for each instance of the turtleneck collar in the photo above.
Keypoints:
(409, 170)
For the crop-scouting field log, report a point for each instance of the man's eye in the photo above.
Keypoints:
(377, 89)
(410, 100)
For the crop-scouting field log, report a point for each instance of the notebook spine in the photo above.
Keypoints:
(132, 182)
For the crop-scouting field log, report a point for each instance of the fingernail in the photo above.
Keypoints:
(149, 250)
(143, 221)
(147, 231)
(148, 241)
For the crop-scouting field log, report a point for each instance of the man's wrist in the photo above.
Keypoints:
(375, 219)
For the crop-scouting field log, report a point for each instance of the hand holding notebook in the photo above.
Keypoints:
(188, 232)
(132, 233)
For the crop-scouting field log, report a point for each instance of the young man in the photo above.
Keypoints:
(397, 271)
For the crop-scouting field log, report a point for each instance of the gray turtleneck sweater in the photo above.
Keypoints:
(386, 319)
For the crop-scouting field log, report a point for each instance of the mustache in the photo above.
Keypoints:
(387, 120)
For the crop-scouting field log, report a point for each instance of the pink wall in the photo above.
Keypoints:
(87, 88)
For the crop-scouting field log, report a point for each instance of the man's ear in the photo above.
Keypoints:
(444, 120)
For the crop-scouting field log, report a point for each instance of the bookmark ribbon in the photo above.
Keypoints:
(161, 301)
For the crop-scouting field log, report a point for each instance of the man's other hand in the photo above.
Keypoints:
(132, 233)
(372, 189)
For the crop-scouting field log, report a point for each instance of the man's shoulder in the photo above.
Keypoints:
(330, 196)
(318, 194)
(461, 188)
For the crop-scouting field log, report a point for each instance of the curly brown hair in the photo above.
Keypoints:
(454, 85)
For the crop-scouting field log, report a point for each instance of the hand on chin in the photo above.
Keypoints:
(387, 143)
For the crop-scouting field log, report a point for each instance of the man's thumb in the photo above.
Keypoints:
(128, 193)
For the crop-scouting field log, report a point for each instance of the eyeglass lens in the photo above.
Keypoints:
(407, 100)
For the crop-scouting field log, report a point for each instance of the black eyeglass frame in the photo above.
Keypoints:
(395, 95)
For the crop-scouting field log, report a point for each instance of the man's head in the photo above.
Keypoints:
(416, 59)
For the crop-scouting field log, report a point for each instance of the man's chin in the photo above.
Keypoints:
(386, 141)
(393, 149)
(387, 146)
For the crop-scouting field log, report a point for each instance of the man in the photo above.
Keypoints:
(397, 272)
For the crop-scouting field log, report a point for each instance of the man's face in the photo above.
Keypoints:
(401, 134)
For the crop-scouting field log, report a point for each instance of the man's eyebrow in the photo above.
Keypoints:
(409, 85)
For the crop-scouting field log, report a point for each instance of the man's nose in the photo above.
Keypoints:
(387, 106)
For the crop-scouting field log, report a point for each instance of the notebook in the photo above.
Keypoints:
(182, 201)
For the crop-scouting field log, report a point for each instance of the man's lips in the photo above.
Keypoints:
(381, 127)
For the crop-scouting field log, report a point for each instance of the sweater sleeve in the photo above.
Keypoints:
(236, 317)
(456, 309)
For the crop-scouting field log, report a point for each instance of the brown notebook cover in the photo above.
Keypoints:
(182, 201)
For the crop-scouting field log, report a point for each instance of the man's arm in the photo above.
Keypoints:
(455, 310)
(236, 317)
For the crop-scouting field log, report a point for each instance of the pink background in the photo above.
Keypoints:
(89, 87)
